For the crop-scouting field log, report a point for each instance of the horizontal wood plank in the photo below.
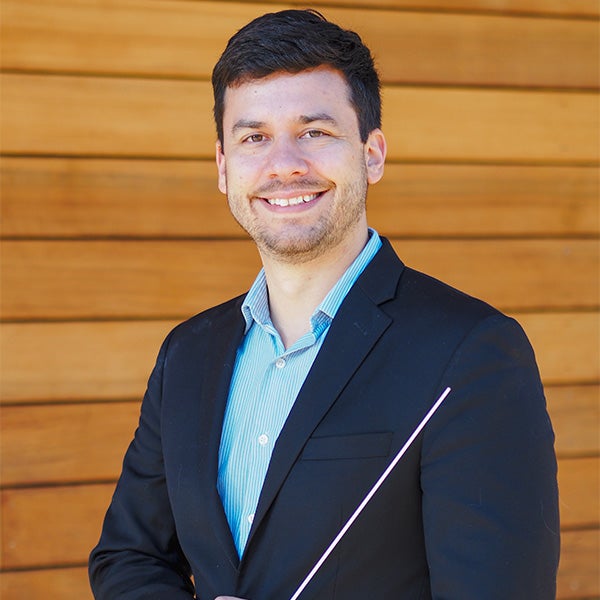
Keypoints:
(74, 514)
(67, 443)
(422, 48)
(563, 8)
(156, 279)
(74, 361)
(123, 279)
(104, 116)
(505, 273)
(69, 583)
(497, 126)
(52, 526)
(578, 569)
(86, 115)
(112, 360)
(566, 345)
(170, 38)
(55, 197)
(575, 412)
(579, 489)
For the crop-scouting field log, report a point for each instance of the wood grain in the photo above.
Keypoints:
(579, 489)
(566, 345)
(475, 50)
(86, 115)
(65, 443)
(169, 38)
(68, 522)
(123, 279)
(104, 116)
(69, 583)
(56, 197)
(489, 126)
(79, 360)
(565, 8)
(578, 570)
(575, 414)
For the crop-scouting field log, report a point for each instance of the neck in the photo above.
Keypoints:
(296, 289)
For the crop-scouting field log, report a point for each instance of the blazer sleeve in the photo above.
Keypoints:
(488, 474)
(138, 555)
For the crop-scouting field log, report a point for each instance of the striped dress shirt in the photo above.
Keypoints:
(266, 380)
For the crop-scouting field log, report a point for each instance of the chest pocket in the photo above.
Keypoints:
(339, 447)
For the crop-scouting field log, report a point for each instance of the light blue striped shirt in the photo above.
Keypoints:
(265, 382)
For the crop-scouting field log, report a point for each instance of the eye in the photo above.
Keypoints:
(255, 138)
(314, 133)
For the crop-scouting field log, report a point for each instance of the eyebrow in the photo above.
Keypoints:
(324, 117)
(247, 124)
(302, 119)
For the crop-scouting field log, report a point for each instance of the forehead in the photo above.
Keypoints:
(287, 95)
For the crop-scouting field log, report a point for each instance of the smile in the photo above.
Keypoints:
(291, 201)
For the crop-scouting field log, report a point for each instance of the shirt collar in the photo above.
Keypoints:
(256, 304)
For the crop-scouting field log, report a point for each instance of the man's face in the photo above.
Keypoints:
(292, 163)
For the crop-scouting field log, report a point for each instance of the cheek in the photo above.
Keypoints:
(241, 175)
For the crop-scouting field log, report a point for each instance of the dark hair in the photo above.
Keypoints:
(294, 41)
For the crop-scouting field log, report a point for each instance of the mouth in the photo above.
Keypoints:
(295, 201)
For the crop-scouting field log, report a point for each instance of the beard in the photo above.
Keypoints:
(299, 239)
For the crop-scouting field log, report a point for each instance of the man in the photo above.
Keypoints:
(269, 418)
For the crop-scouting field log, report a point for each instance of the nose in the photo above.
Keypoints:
(286, 159)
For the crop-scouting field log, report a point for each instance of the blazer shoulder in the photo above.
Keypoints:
(413, 299)
(429, 305)
(225, 316)
(430, 292)
(387, 279)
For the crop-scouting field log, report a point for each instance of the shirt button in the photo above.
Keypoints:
(263, 439)
(251, 518)
(280, 363)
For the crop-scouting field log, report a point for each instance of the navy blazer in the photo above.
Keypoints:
(470, 512)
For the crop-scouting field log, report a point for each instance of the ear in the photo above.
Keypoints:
(375, 151)
(220, 158)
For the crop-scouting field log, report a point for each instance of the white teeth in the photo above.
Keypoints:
(291, 201)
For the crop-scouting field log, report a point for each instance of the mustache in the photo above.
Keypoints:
(297, 185)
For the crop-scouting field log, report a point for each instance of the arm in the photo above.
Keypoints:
(138, 555)
(490, 505)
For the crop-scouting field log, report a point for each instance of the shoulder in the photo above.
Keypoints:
(417, 290)
(395, 286)
(428, 302)
(211, 323)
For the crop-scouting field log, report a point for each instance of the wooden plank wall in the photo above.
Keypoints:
(113, 229)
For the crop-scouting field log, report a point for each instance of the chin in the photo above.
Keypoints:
(298, 249)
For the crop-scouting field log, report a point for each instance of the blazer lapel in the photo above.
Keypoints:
(213, 360)
(354, 331)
